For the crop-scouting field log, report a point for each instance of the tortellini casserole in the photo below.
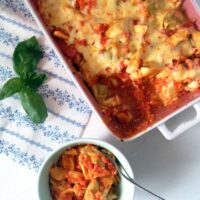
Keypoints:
(140, 58)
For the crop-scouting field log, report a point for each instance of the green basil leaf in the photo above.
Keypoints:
(33, 104)
(35, 79)
(11, 87)
(26, 56)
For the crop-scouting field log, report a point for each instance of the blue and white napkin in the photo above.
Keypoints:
(68, 114)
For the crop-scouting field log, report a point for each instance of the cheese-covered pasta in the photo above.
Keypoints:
(84, 173)
(137, 56)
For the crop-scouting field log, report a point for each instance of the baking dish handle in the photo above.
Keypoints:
(182, 127)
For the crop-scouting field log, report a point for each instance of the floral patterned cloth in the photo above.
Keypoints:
(21, 140)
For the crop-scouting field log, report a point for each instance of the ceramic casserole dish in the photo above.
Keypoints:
(135, 94)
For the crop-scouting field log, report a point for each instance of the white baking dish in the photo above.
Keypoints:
(192, 8)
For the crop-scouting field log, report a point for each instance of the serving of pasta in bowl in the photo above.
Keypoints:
(79, 170)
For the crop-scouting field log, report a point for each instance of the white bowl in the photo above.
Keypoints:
(126, 189)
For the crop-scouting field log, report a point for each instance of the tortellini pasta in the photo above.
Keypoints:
(84, 173)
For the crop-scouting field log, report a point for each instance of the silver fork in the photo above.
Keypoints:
(125, 174)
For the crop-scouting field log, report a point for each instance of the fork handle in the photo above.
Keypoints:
(126, 175)
(140, 186)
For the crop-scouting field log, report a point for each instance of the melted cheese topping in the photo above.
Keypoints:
(142, 38)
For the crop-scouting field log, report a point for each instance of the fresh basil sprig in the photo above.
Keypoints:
(26, 56)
